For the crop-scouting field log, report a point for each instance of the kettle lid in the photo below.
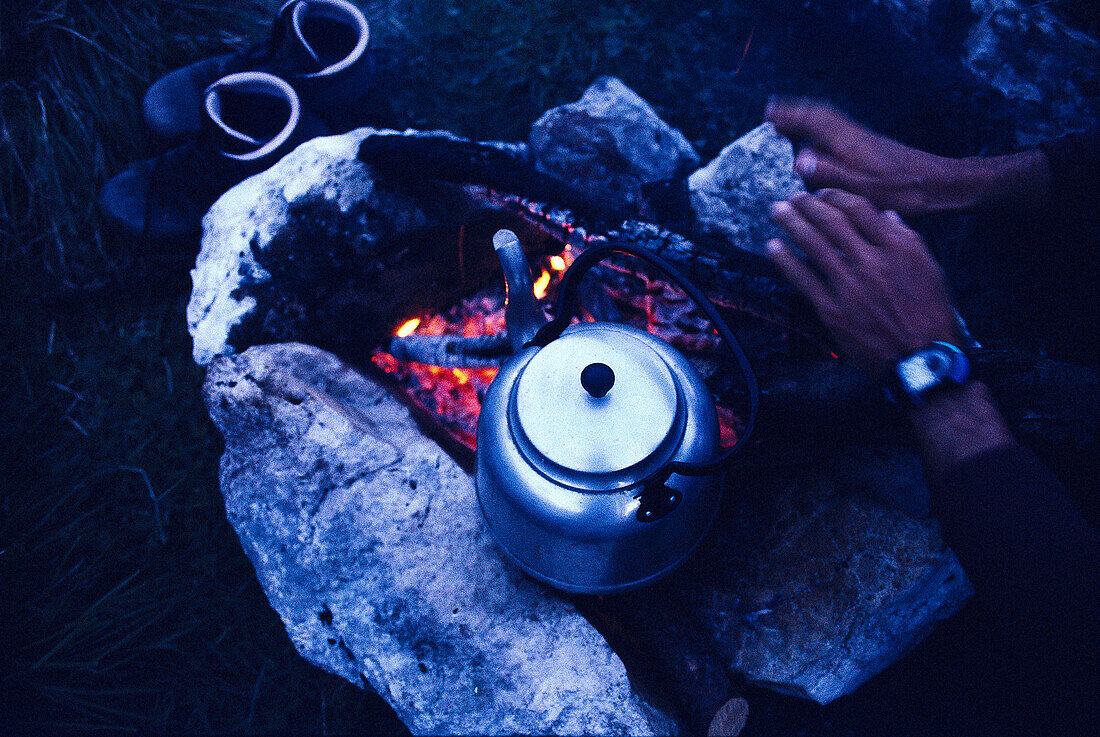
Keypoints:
(599, 408)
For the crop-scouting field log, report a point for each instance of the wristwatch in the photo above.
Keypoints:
(926, 372)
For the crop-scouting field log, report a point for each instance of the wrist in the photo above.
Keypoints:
(927, 371)
(956, 425)
(955, 185)
(975, 183)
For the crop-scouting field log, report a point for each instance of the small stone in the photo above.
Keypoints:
(610, 143)
(731, 195)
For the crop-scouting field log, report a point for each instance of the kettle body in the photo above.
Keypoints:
(563, 460)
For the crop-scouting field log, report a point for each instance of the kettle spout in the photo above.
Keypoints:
(521, 313)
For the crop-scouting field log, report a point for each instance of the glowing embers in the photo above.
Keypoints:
(541, 284)
(452, 393)
(407, 328)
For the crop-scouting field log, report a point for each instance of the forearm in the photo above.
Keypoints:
(1025, 546)
(956, 426)
(977, 183)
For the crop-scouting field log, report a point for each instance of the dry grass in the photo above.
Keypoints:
(128, 604)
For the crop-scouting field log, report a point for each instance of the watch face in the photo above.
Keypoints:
(922, 371)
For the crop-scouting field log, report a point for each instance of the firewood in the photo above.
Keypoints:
(452, 351)
(445, 157)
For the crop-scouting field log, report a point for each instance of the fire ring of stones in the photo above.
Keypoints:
(366, 535)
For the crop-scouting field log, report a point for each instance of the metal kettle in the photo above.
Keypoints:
(598, 453)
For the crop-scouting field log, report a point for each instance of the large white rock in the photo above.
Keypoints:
(238, 231)
(369, 543)
(246, 217)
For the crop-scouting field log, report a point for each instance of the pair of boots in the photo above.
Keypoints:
(240, 113)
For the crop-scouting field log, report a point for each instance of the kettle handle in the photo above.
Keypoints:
(567, 309)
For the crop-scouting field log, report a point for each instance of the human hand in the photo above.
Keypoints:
(841, 153)
(877, 287)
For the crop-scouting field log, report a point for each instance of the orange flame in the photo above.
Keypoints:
(406, 328)
(453, 395)
(541, 284)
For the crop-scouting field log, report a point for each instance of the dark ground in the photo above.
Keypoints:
(128, 604)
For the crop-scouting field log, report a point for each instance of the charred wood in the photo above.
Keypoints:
(453, 351)
(445, 157)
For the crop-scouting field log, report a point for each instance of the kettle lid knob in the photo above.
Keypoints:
(597, 379)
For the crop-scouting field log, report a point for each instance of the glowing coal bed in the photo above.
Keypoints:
(452, 396)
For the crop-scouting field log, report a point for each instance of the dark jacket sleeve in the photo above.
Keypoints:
(1075, 175)
(1033, 560)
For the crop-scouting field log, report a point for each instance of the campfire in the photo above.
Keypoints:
(444, 362)
(453, 393)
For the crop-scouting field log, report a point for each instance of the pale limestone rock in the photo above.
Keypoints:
(368, 540)
(240, 226)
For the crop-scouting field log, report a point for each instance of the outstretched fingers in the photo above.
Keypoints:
(810, 238)
(801, 276)
(800, 117)
(819, 169)
(835, 226)
(885, 230)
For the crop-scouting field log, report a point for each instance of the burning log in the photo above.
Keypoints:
(453, 351)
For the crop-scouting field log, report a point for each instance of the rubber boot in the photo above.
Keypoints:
(249, 121)
(318, 46)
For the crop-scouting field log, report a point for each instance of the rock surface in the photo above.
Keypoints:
(731, 195)
(609, 143)
(258, 280)
(842, 589)
(368, 541)
(1046, 70)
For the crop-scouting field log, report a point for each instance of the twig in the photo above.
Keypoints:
(255, 693)
(453, 351)
(77, 425)
(745, 53)
(156, 504)
(67, 390)
(167, 373)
